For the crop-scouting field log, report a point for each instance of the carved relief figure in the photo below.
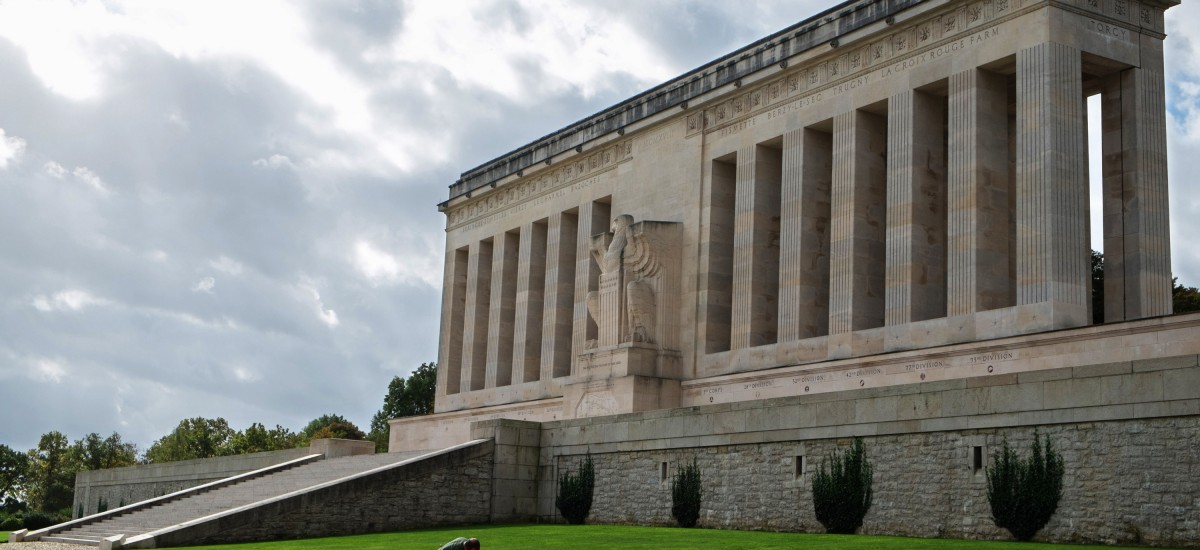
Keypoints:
(628, 260)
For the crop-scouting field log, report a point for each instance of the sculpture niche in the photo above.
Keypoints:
(634, 362)
(637, 298)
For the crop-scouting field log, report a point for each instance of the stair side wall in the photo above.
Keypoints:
(121, 486)
(454, 488)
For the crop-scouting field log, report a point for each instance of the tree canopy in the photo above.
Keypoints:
(193, 438)
(405, 397)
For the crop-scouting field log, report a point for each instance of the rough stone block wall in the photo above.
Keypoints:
(1129, 482)
(449, 489)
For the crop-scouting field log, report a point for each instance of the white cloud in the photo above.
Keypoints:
(205, 285)
(225, 264)
(11, 149)
(327, 316)
(375, 264)
(381, 267)
(275, 161)
(562, 39)
(55, 170)
(177, 119)
(47, 370)
(244, 374)
(86, 175)
(67, 300)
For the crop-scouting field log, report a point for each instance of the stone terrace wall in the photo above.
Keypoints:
(1126, 431)
(121, 486)
(452, 488)
(1127, 482)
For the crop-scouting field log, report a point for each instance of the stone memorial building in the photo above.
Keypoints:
(872, 223)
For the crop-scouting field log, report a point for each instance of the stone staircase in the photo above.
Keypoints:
(221, 499)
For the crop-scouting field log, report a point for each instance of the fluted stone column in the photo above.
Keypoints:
(755, 247)
(503, 311)
(559, 299)
(594, 218)
(804, 235)
(1052, 188)
(856, 265)
(1137, 248)
(979, 244)
(916, 208)
(479, 302)
(454, 302)
(531, 289)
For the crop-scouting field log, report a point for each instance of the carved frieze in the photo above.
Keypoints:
(549, 180)
(965, 20)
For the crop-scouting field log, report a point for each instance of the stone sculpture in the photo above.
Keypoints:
(628, 259)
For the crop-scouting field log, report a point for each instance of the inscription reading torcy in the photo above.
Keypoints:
(1107, 29)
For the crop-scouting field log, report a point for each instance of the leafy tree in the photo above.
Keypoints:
(14, 468)
(1097, 287)
(339, 430)
(193, 438)
(842, 495)
(51, 478)
(320, 422)
(411, 397)
(685, 495)
(257, 438)
(1024, 493)
(574, 499)
(94, 453)
(1184, 299)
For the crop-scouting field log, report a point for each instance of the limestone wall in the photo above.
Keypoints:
(1126, 432)
(1126, 482)
(121, 486)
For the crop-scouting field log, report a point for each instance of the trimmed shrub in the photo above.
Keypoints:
(38, 520)
(574, 500)
(685, 495)
(1024, 493)
(11, 523)
(842, 495)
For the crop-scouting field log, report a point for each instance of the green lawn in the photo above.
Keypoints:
(602, 537)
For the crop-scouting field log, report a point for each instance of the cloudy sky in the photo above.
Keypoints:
(227, 208)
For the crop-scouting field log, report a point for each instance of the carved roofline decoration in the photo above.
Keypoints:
(821, 29)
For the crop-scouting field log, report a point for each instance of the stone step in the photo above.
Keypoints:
(218, 500)
(71, 540)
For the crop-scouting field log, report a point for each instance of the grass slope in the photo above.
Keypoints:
(603, 537)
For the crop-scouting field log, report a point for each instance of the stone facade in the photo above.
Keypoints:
(1126, 431)
(872, 223)
(884, 177)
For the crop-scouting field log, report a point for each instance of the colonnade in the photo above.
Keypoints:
(962, 196)
(514, 308)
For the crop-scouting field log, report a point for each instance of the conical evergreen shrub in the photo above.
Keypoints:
(842, 495)
(574, 500)
(685, 495)
(1024, 493)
